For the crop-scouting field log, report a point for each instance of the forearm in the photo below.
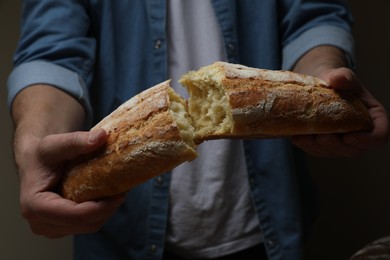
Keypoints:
(40, 110)
(320, 59)
(45, 110)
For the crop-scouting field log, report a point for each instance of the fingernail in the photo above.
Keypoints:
(93, 137)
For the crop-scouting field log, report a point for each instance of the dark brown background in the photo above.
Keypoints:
(355, 193)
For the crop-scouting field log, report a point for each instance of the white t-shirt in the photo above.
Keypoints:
(211, 212)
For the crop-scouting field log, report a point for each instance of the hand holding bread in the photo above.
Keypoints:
(157, 130)
(149, 134)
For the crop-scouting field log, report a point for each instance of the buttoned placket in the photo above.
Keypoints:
(158, 209)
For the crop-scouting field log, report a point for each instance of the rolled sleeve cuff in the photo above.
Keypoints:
(317, 36)
(41, 72)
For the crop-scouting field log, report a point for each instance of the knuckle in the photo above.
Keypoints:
(78, 141)
(35, 231)
(28, 214)
(39, 231)
(74, 139)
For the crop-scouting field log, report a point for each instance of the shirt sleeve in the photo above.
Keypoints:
(307, 24)
(41, 72)
(55, 48)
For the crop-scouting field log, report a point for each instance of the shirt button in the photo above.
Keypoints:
(153, 248)
(157, 44)
(231, 46)
(271, 243)
(159, 180)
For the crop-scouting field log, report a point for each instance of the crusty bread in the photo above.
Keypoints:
(234, 101)
(149, 134)
(376, 250)
(156, 130)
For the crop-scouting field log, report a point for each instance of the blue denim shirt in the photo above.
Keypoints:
(104, 52)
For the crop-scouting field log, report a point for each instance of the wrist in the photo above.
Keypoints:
(24, 148)
(41, 110)
(320, 59)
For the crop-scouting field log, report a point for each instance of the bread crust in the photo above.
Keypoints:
(378, 249)
(143, 142)
(265, 103)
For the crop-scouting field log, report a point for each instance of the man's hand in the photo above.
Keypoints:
(349, 144)
(40, 169)
(45, 121)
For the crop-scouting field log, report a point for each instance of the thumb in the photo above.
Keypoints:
(342, 79)
(61, 147)
(345, 80)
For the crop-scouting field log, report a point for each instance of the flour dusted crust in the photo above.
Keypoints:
(147, 136)
(157, 130)
(256, 103)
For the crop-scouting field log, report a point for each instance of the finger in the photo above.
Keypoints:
(325, 146)
(377, 138)
(98, 210)
(303, 140)
(69, 213)
(342, 79)
(52, 210)
(52, 229)
(334, 145)
(307, 143)
(61, 147)
(57, 231)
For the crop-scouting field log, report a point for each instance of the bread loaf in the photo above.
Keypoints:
(233, 101)
(156, 130)
(149, 134)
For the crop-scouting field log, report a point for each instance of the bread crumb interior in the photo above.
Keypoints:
(178, 109)
(208, 107)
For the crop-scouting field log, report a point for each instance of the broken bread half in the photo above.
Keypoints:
(234, 101)
(149, 134)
